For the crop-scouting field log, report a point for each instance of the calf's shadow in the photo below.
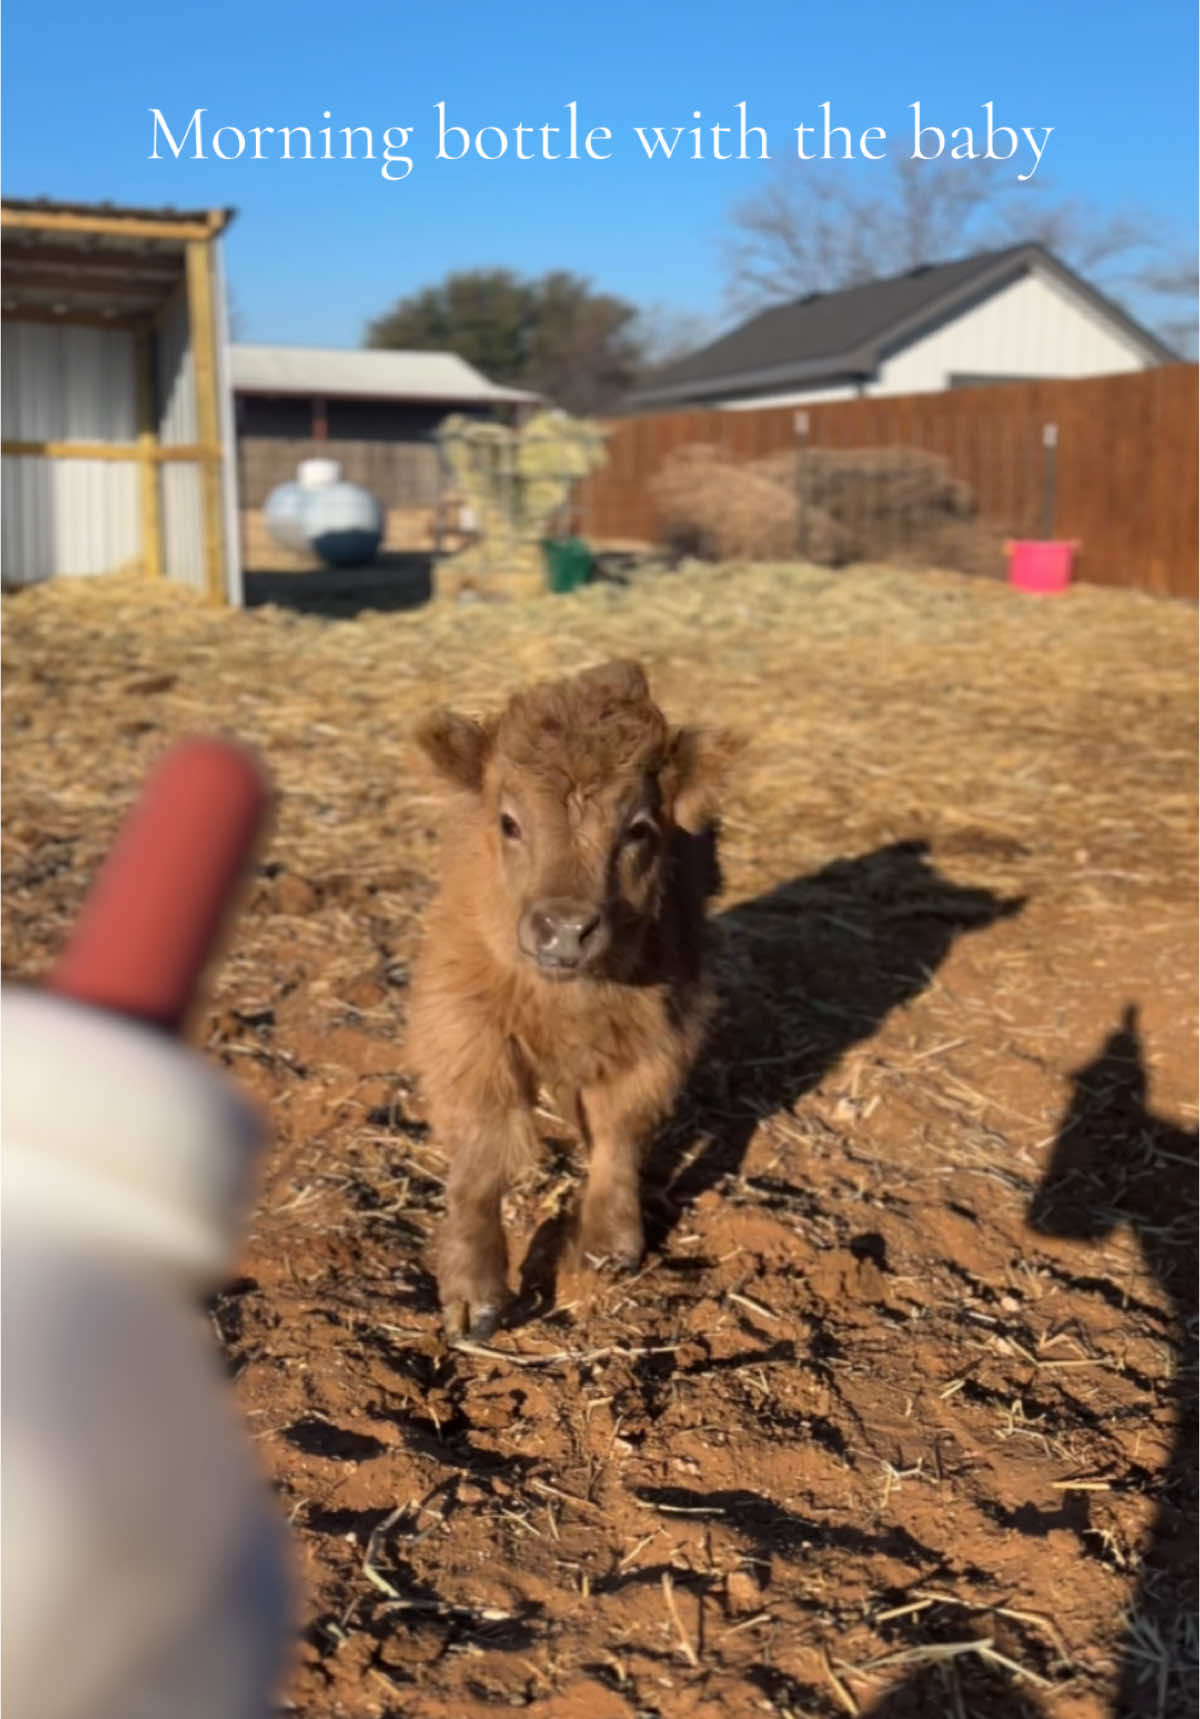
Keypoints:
(805, 972)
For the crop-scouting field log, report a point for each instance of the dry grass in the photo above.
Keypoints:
(855, 1426)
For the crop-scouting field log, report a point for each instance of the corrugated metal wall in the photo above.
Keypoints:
(67, 516)
(67, 383)
(182, 508)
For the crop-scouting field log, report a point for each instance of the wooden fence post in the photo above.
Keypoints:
(800, 425)
(1049, 478)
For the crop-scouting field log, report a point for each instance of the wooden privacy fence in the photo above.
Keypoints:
(1121, 478)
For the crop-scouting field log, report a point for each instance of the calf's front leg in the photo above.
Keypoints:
(619, 1119)
(480, 1119)
(473, 1258)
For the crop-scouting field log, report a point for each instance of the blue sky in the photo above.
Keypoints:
(320, 246)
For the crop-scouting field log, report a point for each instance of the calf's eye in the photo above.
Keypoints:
(510, 829)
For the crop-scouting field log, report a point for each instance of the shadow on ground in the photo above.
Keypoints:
(391, 582)
(1115, 1163)
(394, 581)
(805, 972)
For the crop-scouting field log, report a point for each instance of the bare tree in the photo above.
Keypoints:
(1174, 284)
(664, 332)
(819, 226)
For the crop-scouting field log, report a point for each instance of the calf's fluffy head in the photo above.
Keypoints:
(578, 789)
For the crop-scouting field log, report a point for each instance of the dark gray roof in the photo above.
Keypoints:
(845, 334)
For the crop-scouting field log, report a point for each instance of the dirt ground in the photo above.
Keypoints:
(898, 1418)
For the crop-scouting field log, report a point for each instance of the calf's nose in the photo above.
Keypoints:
(566, 933)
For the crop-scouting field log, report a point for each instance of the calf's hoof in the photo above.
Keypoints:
(611, 1241)
(474, 1322)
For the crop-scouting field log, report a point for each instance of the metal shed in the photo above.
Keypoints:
(375, 411)
(118, 444)
(327, 389)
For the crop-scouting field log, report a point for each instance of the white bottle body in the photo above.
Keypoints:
(144, 1570)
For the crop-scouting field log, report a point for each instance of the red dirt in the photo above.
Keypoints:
(855, 1406)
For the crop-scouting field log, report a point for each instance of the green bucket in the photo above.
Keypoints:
(568, 563)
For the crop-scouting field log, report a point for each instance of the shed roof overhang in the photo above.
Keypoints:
(96, 263)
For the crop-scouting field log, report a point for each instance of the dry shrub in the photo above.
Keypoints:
(718, 510)
(833, 506)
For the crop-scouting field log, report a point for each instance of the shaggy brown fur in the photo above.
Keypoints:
(563, 953)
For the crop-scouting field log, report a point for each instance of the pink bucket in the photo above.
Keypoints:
(1040, 565)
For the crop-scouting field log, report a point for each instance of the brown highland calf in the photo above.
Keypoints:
(563, 954)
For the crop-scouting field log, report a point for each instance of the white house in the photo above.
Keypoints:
(1009, 315)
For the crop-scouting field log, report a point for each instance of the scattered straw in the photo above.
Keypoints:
(963, 837)
(845, 1698)
(685, 1641)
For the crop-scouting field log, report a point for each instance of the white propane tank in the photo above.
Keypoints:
(325, 516)
(284, 514)
(345, 524)
(317, 474)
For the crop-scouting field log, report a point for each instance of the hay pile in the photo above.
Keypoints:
(833, 506)
(712, 506)
(516, 483)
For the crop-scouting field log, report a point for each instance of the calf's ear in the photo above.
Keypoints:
(621, 680)
(699, 761)
(457, 747)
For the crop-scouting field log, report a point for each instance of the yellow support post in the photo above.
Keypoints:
(152, 541)
(201, 309)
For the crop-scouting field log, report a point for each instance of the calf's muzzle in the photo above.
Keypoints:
(563, 936)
